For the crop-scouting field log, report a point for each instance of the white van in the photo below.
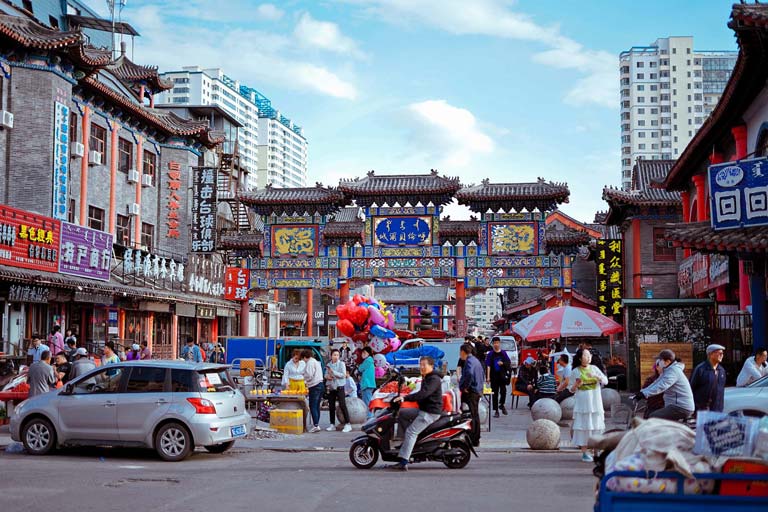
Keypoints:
(509, 345)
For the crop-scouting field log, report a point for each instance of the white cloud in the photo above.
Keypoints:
(495, 18)
(262, 58)
(324, 35)
(269, 12)
(449, 134)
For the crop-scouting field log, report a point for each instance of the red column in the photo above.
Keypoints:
(745, 295)
(686, 198)
(701, 197)
(174, 336)
(86, 131)
(113, 177)
(344, 292)
(310, 296)
(636, 259)
(740, 138)
(461, 309)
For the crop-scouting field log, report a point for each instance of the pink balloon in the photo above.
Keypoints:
(379, 372)
(378, 344)
(390, 319)
(379, 361)
(375, 317)
(394, 343)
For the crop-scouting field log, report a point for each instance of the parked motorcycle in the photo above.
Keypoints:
(447, 440)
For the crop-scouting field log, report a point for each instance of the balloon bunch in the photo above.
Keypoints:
(367, 321)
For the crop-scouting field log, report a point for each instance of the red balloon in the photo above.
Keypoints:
(346, 327)
(357, 299)
(359, 316)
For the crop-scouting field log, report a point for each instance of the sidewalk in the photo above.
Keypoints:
(507, 434)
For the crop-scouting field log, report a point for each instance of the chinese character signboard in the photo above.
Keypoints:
(85, 252)
(173, 202)
(294, 241)
(236, 284)
(700, 273)
(203, 209)
(151, 267)
(26, 293)
(60, 160)
(609, 277)
(739, 193)
(29, 240)
(405, 231)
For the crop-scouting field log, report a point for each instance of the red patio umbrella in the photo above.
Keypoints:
(565, 322)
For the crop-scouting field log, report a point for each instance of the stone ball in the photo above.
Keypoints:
(546, 409)
(610, 397)
(357, 411)
(566, 406)
(543, 435)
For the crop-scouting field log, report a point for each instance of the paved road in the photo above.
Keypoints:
(265, 480)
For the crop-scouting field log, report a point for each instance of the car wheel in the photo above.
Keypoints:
(220, 448)
(173, 442)
(38, 436)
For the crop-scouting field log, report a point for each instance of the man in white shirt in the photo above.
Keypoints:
(754, 369)
(313, 376)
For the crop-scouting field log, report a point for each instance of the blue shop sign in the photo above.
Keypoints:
(738, 193)
(403, 231)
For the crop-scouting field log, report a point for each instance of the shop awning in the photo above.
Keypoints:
(293, 317)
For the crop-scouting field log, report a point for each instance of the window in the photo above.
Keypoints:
(652, 64)
(104, 381)
(641, 122)
(71, 212)
(641, 146)
(641, 76)
(674, 50)
(27, 4)
(95, 218)
(641, 111)
(641, 135)
(73, 127)
(146, 379)
(654, 76)
(147, 235)
(123, 230)
(654, 122)
(150, 164)
(182, 381)
(662, 250)
(654, 111)
(640, 64)
(124, 155)
(641, 99)
(293, 298)
(98, 139)
(654, 87)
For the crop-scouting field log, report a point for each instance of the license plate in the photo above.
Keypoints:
(238, 431)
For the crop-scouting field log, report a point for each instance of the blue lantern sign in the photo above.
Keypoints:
(739, 194)
(406, 231)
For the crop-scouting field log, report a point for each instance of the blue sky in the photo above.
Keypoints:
(508, 90)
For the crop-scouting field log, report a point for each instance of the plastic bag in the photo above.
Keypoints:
(718, 433)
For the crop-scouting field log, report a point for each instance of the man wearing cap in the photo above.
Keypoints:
(708, 381)
(81, 365)
(678, 397)
(526, 379)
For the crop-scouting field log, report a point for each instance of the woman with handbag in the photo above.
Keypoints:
(337, 379)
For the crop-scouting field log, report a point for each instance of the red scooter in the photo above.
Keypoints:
(447, 440)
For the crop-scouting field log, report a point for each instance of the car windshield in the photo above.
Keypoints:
(761, 383)
(215, 380)
(507, 345)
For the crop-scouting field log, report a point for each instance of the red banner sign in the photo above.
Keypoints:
(173, 204)
(236, 283)
(29, 240)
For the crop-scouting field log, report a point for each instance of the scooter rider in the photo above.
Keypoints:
(430, 400)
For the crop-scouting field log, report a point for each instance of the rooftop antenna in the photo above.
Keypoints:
(115, 13)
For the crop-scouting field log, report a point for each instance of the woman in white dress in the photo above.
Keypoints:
(588, 417)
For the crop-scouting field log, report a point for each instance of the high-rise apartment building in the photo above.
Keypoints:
(271, 146)
(483, 309)
(667, 91)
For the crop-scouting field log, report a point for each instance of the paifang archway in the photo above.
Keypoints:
(390, 226)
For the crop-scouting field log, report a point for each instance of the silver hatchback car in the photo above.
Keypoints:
(171, 406)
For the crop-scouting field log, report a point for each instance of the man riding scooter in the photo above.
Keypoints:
(430, 400)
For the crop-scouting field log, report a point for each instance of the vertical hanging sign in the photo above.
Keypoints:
(203, 209)
(609, 277)
(174, 200)
(60, 160)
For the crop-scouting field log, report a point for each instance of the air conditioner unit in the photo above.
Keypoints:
(134, 208)
(133, 176)
(77, 149)
(6, 119)
(94, 158)
(146, 180)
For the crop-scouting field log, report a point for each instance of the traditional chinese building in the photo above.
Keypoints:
(314, 242)
(650, 262)
(724, 209)
(96, 207)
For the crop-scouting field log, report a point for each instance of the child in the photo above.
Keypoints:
(546, 387)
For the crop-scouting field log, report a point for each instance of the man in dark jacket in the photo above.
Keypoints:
(471, 387)
(497, 367)
(708, 381)
(430, 400)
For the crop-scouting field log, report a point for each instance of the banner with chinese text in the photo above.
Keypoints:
(236, 283)
(609, 277)
(85, 252)
(203, 209)
(29, 240)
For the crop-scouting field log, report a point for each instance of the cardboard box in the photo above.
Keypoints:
(287, 421)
